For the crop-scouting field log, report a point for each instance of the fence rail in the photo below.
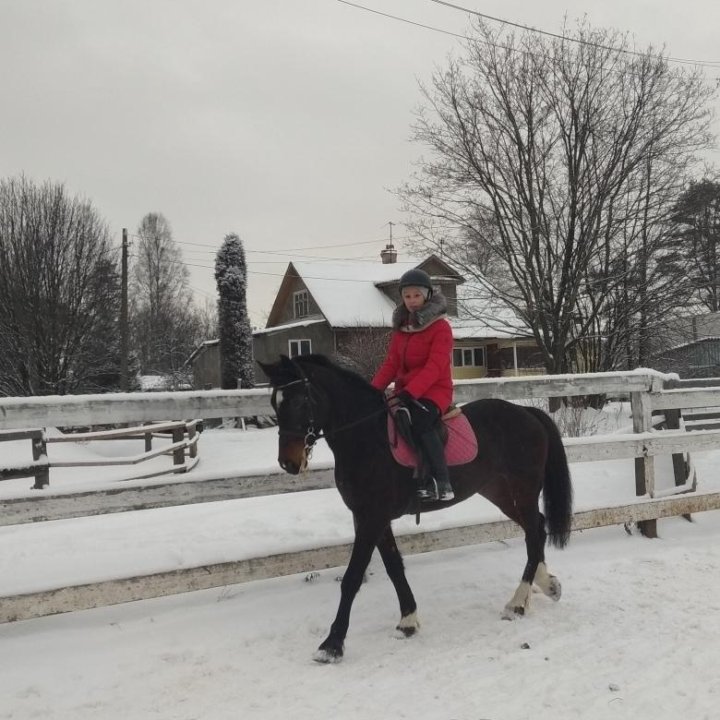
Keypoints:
(183, 450)
(647, 391)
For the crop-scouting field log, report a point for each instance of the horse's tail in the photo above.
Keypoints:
(557, 487)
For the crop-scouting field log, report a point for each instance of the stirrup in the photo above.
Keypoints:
(428, 491)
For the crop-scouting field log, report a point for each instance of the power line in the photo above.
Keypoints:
(292, 249)
(405, 20)
(708, 63)
(701, 63)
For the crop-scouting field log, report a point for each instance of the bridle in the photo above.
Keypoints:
(310, 435)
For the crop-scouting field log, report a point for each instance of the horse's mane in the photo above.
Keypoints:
(352, 377)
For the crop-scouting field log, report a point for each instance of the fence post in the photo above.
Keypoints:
(39, 448)
(178, 434)
(191, 432)
(672, 422)
(644, 466)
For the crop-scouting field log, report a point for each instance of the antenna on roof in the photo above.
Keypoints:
(389, 254)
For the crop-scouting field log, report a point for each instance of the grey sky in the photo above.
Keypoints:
(285, 121)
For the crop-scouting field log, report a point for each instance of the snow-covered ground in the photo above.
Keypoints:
(635, 634)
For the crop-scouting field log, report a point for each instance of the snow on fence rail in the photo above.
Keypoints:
(184, 439)
(646, 389)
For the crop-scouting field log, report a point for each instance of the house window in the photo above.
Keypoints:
(299, 347)
(300, 304)
(469, 357)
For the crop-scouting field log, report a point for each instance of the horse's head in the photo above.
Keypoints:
(299, 415)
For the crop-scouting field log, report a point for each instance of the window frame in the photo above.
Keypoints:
(473, 352)
(298, 343)
(301, 304)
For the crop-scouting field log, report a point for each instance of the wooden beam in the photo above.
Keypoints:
(684, 399)
(51, 505)
(142, 587)
(542, 386)
(113, 408)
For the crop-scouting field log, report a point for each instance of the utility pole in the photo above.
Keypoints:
(124, 380)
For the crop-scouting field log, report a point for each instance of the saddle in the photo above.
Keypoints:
(455, 431)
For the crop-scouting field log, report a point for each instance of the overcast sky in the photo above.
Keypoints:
(286, 121)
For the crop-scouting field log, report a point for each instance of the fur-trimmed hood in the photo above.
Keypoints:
(434, 309)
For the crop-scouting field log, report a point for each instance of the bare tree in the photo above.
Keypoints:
(546, 155)
(207, 320)
(59, 293)
(164, 320)
(363, 349)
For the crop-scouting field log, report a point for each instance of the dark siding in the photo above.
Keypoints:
(268, 347)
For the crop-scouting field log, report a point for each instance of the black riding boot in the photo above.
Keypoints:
(434, 452)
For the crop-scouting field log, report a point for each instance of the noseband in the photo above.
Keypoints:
(309, 435)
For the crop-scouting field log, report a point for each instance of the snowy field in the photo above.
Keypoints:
(634, 636)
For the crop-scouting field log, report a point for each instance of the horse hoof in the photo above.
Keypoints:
(512, 613)
(327, 656)
(554, 591)
(408, 626)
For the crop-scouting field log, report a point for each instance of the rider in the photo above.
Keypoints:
(418, 361)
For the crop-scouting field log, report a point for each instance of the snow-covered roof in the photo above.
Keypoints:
(347, 291)
(349, 294)
(689, 343)
(481, 313)
(298, 323)
(470, 328)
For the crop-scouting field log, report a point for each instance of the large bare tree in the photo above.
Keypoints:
(59, 293)
(165, 322)
(550, 171)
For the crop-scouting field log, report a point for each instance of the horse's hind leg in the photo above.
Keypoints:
(535, 546)
(392, 559)
(547, 583)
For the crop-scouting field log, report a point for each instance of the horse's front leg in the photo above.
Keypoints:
(331, 649)
(392, 559)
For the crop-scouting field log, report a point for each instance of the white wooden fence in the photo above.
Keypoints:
(646, 390)
(183, 450)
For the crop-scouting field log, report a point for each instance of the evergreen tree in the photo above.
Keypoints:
(697, 239)
(233, 320)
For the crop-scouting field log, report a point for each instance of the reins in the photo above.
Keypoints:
(310, 436)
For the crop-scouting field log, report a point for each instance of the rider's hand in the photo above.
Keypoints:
(404, 398)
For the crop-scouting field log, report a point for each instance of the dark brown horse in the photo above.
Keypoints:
(521, 453)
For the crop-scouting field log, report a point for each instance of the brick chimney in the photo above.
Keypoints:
(389, 254)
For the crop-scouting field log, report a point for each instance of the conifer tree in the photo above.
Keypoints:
(233, 320)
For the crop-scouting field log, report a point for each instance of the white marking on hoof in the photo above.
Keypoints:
(519, 602)
(512, 613)
(408, 626)
(325, 657)
(555, 590)
(549, 584)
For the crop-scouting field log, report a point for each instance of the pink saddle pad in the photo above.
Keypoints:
(461, 446)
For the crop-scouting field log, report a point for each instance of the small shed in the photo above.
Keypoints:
(205, 362)
(694, 359)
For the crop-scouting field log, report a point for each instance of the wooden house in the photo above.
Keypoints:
(345, 309)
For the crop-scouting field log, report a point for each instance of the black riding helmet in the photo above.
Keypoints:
(416, 278)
